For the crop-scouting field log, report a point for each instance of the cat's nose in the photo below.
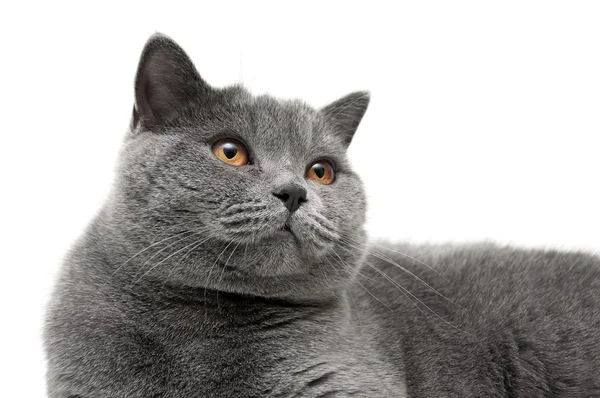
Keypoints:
(291, 195)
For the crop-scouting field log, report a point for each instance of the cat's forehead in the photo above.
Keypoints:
(275, 125)
(283, 124)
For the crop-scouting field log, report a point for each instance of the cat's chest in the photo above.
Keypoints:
(181, 352)
(276, 364)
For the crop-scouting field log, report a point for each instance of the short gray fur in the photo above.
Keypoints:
(184, 284)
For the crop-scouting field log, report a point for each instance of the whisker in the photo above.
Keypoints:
(357, 281)
(245, 252)
(160, 251)
(143, 250)
(392, 262)
(412, 258)
(223, 270)
(349, 290)
(351, 269)
(194, 245)
(405, 291)
(163, 260)
(211, 270)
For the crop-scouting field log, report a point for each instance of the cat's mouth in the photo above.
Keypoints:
(285, 231)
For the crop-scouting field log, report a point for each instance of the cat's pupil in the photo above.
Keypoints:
(319, 170)
(229, 150)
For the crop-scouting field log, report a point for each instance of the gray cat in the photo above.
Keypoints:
(230, 261)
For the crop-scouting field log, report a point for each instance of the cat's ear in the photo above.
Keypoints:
(346, 113)
(166, 81)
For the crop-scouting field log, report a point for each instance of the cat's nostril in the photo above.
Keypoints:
(292, 196)
(283, 196)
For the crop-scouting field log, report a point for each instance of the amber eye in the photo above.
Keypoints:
(321, 171)
(231, 151)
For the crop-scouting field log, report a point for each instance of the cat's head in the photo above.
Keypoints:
(249, 194)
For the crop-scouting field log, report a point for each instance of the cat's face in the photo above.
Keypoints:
(228, 179)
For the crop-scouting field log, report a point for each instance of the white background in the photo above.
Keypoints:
(484, 121)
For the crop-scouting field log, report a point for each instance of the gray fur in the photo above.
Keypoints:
(184, 285)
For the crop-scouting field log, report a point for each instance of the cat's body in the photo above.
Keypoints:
(192, 283)
(531, 317)
(521, 323)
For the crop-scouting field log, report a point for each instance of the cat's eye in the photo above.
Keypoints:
(321, 171)
(231, 152)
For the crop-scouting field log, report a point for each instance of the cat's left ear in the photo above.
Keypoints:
(166, 81)
(346, 113)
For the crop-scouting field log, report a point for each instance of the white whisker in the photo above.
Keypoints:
(406, 293)
(148, 247)
(394, 263)
(364, 287)
(211, 270)
(223, 270)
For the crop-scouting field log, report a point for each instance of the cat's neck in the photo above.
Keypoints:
(210, 312)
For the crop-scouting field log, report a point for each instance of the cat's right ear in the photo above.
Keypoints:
(166, 81)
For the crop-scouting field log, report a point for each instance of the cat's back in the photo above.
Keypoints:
(478, 318)
(498, 280)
